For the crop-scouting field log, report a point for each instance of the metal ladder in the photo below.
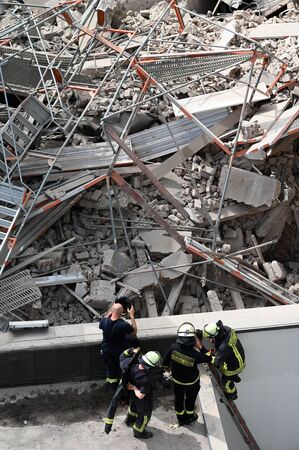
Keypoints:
(168, 67)
(11, 201)
(20, 131)
(232, 409)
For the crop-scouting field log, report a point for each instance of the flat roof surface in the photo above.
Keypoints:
(86, 334)
(88, 433)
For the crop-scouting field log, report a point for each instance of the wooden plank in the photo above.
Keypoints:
(194, 146)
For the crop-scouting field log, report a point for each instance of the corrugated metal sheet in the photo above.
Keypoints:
(148, 145)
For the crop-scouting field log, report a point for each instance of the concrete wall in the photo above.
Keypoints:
(268, 393)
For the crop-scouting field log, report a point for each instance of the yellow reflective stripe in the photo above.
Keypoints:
(142, 428)
(126, 353)
(189, 412)
(232, 343)
(131, 412)
(180, 413)
(182, 359)
(108, 421)
(239, 357)
(228, 389)
(185, 384)
(231, 372)
(112, 380)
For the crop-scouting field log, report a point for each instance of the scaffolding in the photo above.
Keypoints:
(141, 58)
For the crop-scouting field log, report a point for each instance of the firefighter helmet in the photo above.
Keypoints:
(210, 330)
(186, 330)
(152, 359)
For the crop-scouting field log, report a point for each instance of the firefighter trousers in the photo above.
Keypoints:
(184, 399)
(113, 371)
(140, 411)
(229, 386)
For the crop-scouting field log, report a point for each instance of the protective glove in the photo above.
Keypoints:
(167, 375)
(108, 428)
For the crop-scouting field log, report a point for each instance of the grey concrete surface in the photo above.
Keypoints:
(268, 392)
(88, 434)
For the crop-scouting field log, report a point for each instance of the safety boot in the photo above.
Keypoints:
(129, 421)
(144, 435)
(189, 418)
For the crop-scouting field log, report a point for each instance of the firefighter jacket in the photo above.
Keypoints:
(230, 355)
(127, 359)
(183, 360)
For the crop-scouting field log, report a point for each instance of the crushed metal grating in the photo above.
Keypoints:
(17, 291)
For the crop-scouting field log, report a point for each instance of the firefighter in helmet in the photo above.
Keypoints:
(229, 355)
(182, 359)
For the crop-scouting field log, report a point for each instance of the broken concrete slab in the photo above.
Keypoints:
(214, 301)
(275, 30)
(249, 187)
(173, 184)
(226, 35)
(237, 211)
(276, 132)
(176, 259)
(116, 262)
(138, 280)
(173, 296)
(188, 304)
(221, 99)
(273, 222)
(159, 242)
(97, 67)
(101, 293)
(265, 117)
(150, 302)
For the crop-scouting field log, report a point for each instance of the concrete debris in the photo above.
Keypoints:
(249, 188)
(275, 30)
(101, 293)
(217, 100)
(90, 221)
(159, 242)
(214, 301)
(176, 259)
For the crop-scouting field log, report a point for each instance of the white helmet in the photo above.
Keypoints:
(186, 330)
(210, 330)
(152, 359)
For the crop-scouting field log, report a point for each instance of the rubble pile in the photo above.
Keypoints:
(152, 154)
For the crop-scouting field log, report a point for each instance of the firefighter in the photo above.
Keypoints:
(182, 358)
(127, 359)
(115, 332)
(229, 355)
(141, 397)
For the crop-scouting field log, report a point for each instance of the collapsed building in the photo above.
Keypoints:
(148, 150)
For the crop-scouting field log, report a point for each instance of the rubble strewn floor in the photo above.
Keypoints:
(125, 134)
(54, 418)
